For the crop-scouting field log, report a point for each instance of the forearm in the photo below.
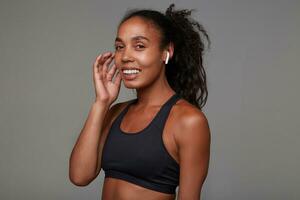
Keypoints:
(84, 156)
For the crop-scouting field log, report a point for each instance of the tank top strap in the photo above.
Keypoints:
(123, 112)
(160, 118)
(165, 110)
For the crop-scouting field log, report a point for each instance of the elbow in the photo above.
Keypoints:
(80, 175)
(79, 181)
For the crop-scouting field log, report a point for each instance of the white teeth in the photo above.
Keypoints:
(131, 71)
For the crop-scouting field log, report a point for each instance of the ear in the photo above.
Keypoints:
(170, 49)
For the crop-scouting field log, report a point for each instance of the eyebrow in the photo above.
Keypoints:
(133, 38)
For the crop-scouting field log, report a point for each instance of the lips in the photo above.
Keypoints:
(130, 76)
(130, 68)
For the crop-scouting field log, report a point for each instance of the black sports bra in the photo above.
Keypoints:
(141, 157)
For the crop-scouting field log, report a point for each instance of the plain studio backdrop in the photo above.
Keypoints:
(47, 49)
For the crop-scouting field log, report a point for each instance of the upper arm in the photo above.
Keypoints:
(194, 152)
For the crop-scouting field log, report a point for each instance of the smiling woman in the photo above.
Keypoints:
(138, 40)
(160, 140)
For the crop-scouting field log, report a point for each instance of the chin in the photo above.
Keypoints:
(132, 85)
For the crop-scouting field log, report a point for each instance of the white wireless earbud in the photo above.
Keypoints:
(167, 59)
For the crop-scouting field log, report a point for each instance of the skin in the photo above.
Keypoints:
(186, 134)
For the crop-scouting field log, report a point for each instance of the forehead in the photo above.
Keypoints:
(137, 26)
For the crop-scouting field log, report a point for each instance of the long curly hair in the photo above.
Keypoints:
(184, 72)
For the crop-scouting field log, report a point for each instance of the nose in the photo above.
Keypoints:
(126, 55)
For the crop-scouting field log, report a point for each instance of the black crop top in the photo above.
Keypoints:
(141, 157)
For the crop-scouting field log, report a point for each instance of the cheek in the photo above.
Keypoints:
(144, 60)
(148, 60)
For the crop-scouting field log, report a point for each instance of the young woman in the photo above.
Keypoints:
(160, 140)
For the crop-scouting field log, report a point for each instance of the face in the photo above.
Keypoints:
(137, 47)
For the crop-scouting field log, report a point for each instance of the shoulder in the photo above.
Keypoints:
(118, 107)
(191, 122)
(114, 110)
(187, 114)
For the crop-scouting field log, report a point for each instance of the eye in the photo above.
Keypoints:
(139, 46)
(117, 47)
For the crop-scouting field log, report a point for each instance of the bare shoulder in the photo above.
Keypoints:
(116, 109)
(187, 113)
(190, 121)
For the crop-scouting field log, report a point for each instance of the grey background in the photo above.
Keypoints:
(46, 53)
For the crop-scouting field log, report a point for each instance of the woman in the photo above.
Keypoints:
(144, 143)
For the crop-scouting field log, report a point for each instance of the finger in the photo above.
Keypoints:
(105, 66)
(105, 57)
(118, 78)
(101, 62)
(111, 72)
(109, 59)
(98, 73)
(96, 65)
(101, 86)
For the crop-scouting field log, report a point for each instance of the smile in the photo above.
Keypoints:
(130, 71)
(130, 74)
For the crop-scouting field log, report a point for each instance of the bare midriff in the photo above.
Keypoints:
(118, 189)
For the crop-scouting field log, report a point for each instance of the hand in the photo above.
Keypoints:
(106, 89)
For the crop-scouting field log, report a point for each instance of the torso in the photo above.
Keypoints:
(117, 189)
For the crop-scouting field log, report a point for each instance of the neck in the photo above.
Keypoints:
(156, 94)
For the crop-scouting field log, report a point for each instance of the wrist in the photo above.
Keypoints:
(101, 104)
